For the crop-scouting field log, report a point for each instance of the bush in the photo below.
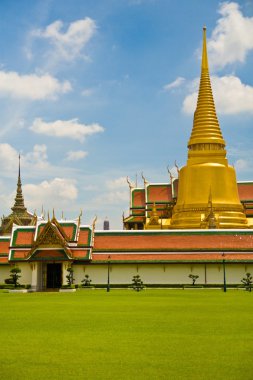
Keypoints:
(86, 281)
(137, 283)
(6, 286)
(70, 276)
(14, 276)
(8, 281)
(193, 277)
(247, 282)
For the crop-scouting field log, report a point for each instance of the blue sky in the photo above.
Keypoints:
(94, 91)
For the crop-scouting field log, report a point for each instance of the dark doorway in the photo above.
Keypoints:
(54, 276)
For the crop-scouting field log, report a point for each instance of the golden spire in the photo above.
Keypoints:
(19, 207)
(206, 129)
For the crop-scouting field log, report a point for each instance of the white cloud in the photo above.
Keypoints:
(242, 165)
(87, 92)
(55, 193)
(112, 197)
(33, 87)
(232, 37)
(176, 83)
(76, 155)
(117, 183)
(69, 44)
(231, 96)
(8, 158)
(37, 158)
(65, 128)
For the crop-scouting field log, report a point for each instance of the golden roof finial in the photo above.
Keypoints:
(94, 223)
(79, 217)
(204, 64)
(176, 165)
(129, 183)
(144, 179)
(206, 129)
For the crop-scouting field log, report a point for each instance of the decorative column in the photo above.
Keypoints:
(65, 266)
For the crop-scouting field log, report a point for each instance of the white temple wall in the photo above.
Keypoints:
(26, 273)
(4, 272)
(177, 273)
(162, 273)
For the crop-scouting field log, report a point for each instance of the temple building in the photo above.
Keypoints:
(199, 223)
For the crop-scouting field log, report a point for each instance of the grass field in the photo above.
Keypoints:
(154, 334)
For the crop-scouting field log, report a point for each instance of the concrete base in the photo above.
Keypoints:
(67, 290)
(18, 290)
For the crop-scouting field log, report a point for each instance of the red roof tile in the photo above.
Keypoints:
(84, 237)
(172, 241)
(23, 237)
(159, 193)
(138, 198)
(4, 260)
(171, 257)
(4, 246)
(69, 231)
(79, 254)
(245, 190)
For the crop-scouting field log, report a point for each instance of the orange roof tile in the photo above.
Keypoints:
(159, 193)
(69, 231)
(23, 237)
(84, 237)
(245, 190)
(4, 260)
(4, 246)
(80, 254)
(49, 253)
(172, 257)
(172, 241)
(19, 254)
(138, 198)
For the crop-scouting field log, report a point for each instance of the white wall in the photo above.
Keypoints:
(26, 273)
(149, 273)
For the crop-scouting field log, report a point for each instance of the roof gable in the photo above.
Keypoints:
(50, 238)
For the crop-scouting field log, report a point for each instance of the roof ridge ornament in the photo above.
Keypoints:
(131, 186)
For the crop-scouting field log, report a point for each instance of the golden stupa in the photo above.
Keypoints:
(207, 194)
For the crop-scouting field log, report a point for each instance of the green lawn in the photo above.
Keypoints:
(154, 334)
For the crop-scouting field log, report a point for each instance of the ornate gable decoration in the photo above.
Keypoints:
(50, 238)
(60, 229)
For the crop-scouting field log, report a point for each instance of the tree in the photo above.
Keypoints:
(15, 276)
(69, 276)
(86, 281)
(137, 283)
(247, 281)
(194, 277)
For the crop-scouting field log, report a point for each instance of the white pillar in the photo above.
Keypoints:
(35, 285)
(65, 266)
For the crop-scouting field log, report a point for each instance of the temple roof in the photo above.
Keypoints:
(51, 240)
(48, 244)
(212, 257)
(173, 241)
